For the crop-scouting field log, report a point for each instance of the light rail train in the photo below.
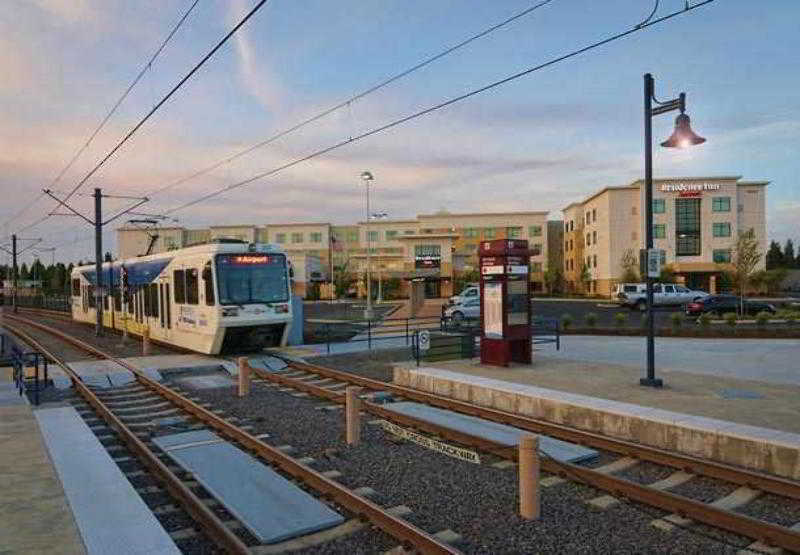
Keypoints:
(218, 297)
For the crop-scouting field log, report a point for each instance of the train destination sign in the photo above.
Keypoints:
(248, 259)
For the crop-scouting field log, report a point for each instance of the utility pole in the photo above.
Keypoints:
(14, 272)
(98, 262)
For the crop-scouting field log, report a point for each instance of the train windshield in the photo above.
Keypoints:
(252, 278)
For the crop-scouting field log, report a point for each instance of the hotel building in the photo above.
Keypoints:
(696, 222)
(434, 248)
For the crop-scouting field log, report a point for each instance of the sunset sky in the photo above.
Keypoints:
(537, 143)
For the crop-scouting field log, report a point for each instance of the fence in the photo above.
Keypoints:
(61, 303)
(22, 361)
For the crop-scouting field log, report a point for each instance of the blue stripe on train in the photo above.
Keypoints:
(139, 273)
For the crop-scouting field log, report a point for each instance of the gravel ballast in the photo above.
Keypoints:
(477, 501)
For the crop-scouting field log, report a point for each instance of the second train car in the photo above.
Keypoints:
(210, 298)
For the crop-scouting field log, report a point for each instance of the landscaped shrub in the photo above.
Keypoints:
(620, 318)
(566, 321)
(644, 320)
(591, 319)
(730, 319)
(762, 318)
(705, 320)
(676, 319)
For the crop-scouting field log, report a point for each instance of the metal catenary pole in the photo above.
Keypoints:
(648, 223)
(98, 262)
(14, 272)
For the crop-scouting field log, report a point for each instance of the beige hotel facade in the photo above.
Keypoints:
(696, 222)
(434, 248)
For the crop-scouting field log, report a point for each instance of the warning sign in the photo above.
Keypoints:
(432, 444)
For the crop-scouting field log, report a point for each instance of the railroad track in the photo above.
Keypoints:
(329, 384)
(146, 391)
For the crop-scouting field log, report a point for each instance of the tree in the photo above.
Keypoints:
(464, 279)
(788, 254)
(108, 257)
(630, 267)
(746, 257)
(343, 279)
(773, 279)
(23, 272)
(667, 274)
(585, 277)
(774, 256)
(554, 280)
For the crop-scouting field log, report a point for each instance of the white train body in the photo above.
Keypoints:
(211, 298)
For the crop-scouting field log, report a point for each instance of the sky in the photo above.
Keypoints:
(536, 143)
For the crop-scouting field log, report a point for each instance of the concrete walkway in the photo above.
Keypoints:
(767, 360)
(34, 514)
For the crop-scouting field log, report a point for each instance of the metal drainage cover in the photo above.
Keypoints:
(206, 382)
(739, 394)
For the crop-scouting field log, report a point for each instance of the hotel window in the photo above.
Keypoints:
(316, 237)
(594, 237)
(536, 266)
(488, 232)
(391, 234)
(588, 261)
(536, 249)
(722, 256)
(741, 208)
(297, 237)
(572, 225)
(594, 214)
(588, 239)
(470, 232)
(535, 231)
(280, 237)
(687, 226)
(408, 232)
(721, 204)
(659, 231)
(514, 232)
(566, 227)
(571, 244)
(722, 229)
(372, 236)
(659, 206)
(594, 260)
(566, 245)
(352, 236)
(633, 211)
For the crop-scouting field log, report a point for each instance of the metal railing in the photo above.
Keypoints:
(373, 331)
(22, 360)
(447, 345)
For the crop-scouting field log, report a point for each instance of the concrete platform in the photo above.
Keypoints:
(754, 447)
(35, 516)
(183, 362)
(110, 515)
(500, 433)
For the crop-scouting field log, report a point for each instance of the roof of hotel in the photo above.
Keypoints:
(371, 222)
(474, 214)
(298, 224)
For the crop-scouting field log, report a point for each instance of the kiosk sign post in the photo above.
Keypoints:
(505, 302)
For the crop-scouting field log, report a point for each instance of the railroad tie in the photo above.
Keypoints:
(606, 501)
(733, 500)
(760, 547)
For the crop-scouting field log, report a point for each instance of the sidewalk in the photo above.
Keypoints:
(34, 514)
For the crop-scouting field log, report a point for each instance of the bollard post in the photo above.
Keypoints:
(529, 477)
(352, 415)
(146, 341)
(244, 377)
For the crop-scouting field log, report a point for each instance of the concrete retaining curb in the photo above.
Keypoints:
(763, 449)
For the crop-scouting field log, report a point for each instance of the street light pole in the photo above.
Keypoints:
(682, 137)
(367, 177)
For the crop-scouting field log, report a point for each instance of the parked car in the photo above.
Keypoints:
(467, 310)
(634, 295)
(722, 304)
(470, 292)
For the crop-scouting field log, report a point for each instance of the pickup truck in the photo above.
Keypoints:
(634, 295)
(468, 293)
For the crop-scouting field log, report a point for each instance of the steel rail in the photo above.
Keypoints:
(712, 469)
(403, 531)
(766, 532)
(212, 525)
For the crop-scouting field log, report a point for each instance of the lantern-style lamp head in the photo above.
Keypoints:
(366, 176)
(683, 135)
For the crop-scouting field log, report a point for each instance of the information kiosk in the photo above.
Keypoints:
(505, 302)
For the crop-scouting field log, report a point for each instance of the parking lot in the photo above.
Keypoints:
(605, 311)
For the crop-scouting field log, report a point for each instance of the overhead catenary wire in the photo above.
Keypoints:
(436, 107)
(108, 115)
(349, 101)
(166, 97)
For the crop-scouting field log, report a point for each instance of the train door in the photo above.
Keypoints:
(163, 308)
(84, 299)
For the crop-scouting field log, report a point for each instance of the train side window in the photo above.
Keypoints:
(192, 286)
(76, 287)
(153, 293)
(208, 279)
(180, 286)
(117, 295)
(90, 296)
(145, 292)
(167, 304)
(161, 302)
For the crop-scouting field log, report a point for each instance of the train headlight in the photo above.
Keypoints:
(233, 311)
(281, 308)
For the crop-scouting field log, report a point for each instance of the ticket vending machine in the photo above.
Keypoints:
(505, 302)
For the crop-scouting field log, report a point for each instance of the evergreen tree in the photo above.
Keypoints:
(774, 256)
(788, 254)
(108, 257)
(23, 272)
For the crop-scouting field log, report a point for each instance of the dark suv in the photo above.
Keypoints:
(720, 304)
